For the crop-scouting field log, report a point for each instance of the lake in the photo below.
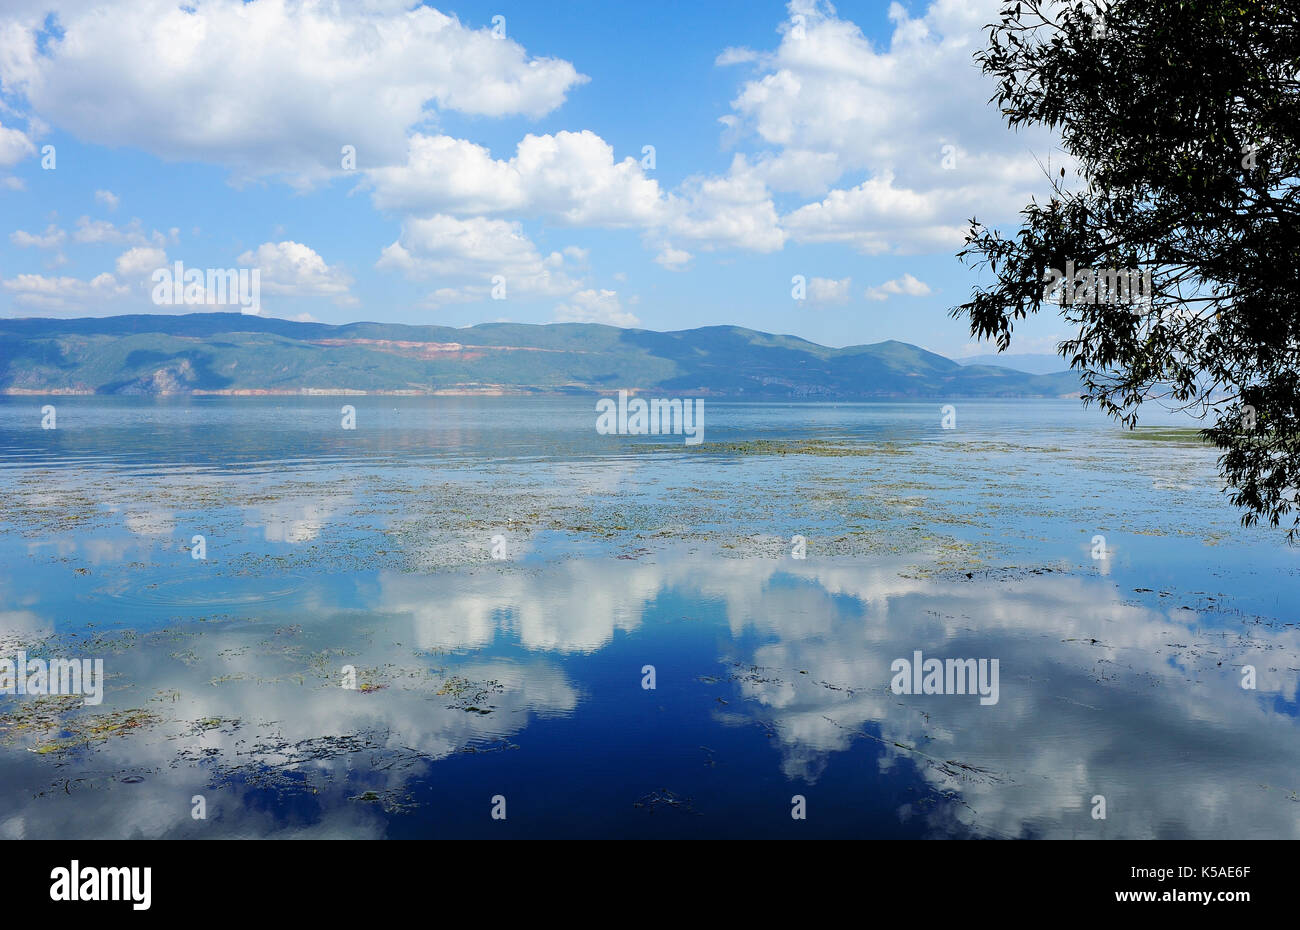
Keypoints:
(480, 617)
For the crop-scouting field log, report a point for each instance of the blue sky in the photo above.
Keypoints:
(789, 139)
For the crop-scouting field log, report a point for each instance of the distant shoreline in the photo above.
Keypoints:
(577, 392)
(229, 355)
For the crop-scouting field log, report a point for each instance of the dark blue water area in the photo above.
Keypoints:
(691, 777)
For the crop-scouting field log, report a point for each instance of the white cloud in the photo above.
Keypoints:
(797, 170)
(731, 211)
(906, 285)
(52, 238)
(829, 104)
(468, 254)
(139, 261)
(829, 290)
(273, 86)
(14, 145)
(592, 306)
(828, 89)
(853, 126)
(572, 179)
(569, 177)
(735, 56)
(60, 294)
(295, 270)
(104, 232)
(877, 217)
(673, 259)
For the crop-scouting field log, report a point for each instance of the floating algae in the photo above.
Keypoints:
(820, 447)
(1173, 434)
(83, 731)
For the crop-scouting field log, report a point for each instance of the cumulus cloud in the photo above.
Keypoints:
(469, 254)
(876, 217)
(593, 306)
(52, 238)
(295, 270)
(829, 290)
(843, 138)
(139, 261)
(14, 145)
(190, 82)
(673, 259)
(730, 211)
(571, 178)
(798, 170)
(828, 105)
(828, 89)
(906, 285)
(52, 294)
(90, 231)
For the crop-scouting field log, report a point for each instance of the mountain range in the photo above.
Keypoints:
(1035, 363)
(232, 353)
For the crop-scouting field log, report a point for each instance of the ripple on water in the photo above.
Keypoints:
(206, 595)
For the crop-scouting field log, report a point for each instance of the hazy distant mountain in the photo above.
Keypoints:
(234, 353)
(1035, 364)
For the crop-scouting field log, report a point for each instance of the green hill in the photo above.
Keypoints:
(235, 353)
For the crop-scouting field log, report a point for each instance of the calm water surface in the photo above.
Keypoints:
(522, 677)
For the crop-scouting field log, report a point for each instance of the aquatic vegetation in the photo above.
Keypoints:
(58, 728)
(1180, 435)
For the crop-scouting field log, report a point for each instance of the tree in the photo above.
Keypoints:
(1182, 117)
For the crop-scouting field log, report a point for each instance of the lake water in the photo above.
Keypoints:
(499, 582)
